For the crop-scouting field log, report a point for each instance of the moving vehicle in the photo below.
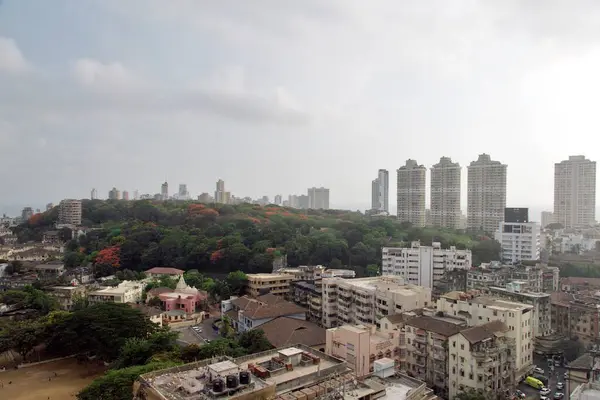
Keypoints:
(558, 395)
(541, 378)
(544, 391)
(533, 382)
(538, 370)
(560, 385)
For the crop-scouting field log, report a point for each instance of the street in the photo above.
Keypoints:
(188, 335)
(553, 378)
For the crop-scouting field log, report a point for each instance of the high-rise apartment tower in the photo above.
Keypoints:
(411, 193)
(445, 194)
(318, 198)
(575, 192)
(486, 197)
(380, 192)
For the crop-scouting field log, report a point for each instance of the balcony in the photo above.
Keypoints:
(421, 339)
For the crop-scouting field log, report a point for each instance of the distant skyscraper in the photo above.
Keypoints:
(445, 194)
(26, 213)
(411, 193)
(183, 193)
(318, 198)
(94, 194)
(221, 196)
(278, 199)
(164, 191)
(205, 198)
(575, 192)
(125, 195)
(380, 192)
(69, 212)
(114, 194)
(486, 198)
(136, 194)
(264, 200)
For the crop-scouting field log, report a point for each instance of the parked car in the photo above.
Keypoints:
(558, 395)
(566, 375)
(544, 398)
(560, 385)
(538, 370)
(520, 394)
(544, 391)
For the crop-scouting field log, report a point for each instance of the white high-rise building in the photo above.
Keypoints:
(575, 192)
(94, 194)
(278, 199)
(423, 265)
(164, 191)
(221, 196)
(519, 238)
(411, 193)
(114, 194)
(318, 198)
(380, 192)
(445, 194)
(182, 193)
(486, 198)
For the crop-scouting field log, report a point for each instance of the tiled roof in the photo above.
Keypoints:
(159, 290)
(434, 325)
(284, 331)
(148, 311)
(476, 334)
(267, 306)
(165, 271)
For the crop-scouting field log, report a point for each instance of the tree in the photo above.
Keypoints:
(373, 270)
(237, 282)
(226, 330)
(470, 395)
(137, 351)
(254, 341)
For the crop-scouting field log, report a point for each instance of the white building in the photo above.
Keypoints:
(318, 198)
(411, 188)
(380, 192)
(423, 265)
(519, 240)
(575, 192)
(125, 292)
(486, 193)
(445, 194)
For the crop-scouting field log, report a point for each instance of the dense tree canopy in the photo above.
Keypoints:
(138, 235)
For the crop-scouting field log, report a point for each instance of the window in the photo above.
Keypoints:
(454, 344)
(462, 346)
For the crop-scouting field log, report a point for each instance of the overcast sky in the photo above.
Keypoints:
(274, 96)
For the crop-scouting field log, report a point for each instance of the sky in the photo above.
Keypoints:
(275, 96)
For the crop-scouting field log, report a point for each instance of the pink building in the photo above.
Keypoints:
(183, 298)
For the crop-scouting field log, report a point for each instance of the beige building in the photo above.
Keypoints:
(482, 358)
(69, 212)
(423, 265)
(574, 315)
(360, 346)
(411, 193)
(486, 194)
(125, 292)
(66, 295)
(445, 194)
(367, 300)
(479, 310)
(277, 284)
(427, 349)
(575, 192)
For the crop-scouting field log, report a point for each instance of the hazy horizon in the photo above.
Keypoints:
(274, 97)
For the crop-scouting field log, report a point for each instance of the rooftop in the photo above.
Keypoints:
(479, 333)
(165, 271)
(268, 276)
(500, 305)
(121, 289)
(284, 331)
(266, 306)
(532, 295)
(435, 325)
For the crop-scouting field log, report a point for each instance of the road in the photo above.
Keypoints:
(188, 335)
(553, 378)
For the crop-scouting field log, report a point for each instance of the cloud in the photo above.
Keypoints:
(11, 59)
(105, 76)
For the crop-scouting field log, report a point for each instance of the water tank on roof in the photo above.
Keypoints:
(218, 385)
(244, 378)
(232, 381)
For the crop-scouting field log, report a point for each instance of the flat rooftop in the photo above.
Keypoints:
(532, 295)
(499, 304)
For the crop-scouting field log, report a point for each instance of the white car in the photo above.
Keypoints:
(560, 386)
(544, 398)
(544, 391)
(538, 370)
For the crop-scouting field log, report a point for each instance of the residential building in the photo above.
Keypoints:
(182, 193)
(486, 275)
(318, 198)
(276, 284)
(124, 292)
(482, 359)
(154, 314)
(157, 272)
(286, 331)
(182, 298)
(367, 300)
(114, 194)
(26, 214)
(478, 310)
(69, 212)
(582, 378)
(589, 390)
(50, 270)
(541, 318)
(427, 350)
(248, 313)
(205, 198)
(411, 193)
(380, 192)
(575, 192)
(519, 238)
(164, 191)
(538, 278)
(574, 315)
(423, 265)
(278, 199)
(360, 346)
(221, 196)
(51, 238)
(547, 219)
(125, 195)
(486, 194)
(94, 194)
(67, 295)
(49, 206)
(445, 194)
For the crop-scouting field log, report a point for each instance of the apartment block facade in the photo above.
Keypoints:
(445, 194)
(575, 192)
(380, 192)
(520, 241)
(411, 188)
(423, 265)
(576, 316)
(318, 198)
(367, 300)
(276, 284)
(486, 194)
(69, 212)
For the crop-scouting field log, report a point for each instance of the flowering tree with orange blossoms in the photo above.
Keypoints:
(35, 219)
(216, 256)
(208, 212)
(109, 256)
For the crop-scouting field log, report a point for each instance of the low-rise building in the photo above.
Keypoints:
(50, 270)
(67, 295)
(276, 284)
(182, 298)
(367, 300)
(125, 292)
(249, 313)
(482, 359)
(157, 272)
(539, 278)
(154, 314)
(580, 371)
(576, 316)
(286, 331)
(477, 309)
